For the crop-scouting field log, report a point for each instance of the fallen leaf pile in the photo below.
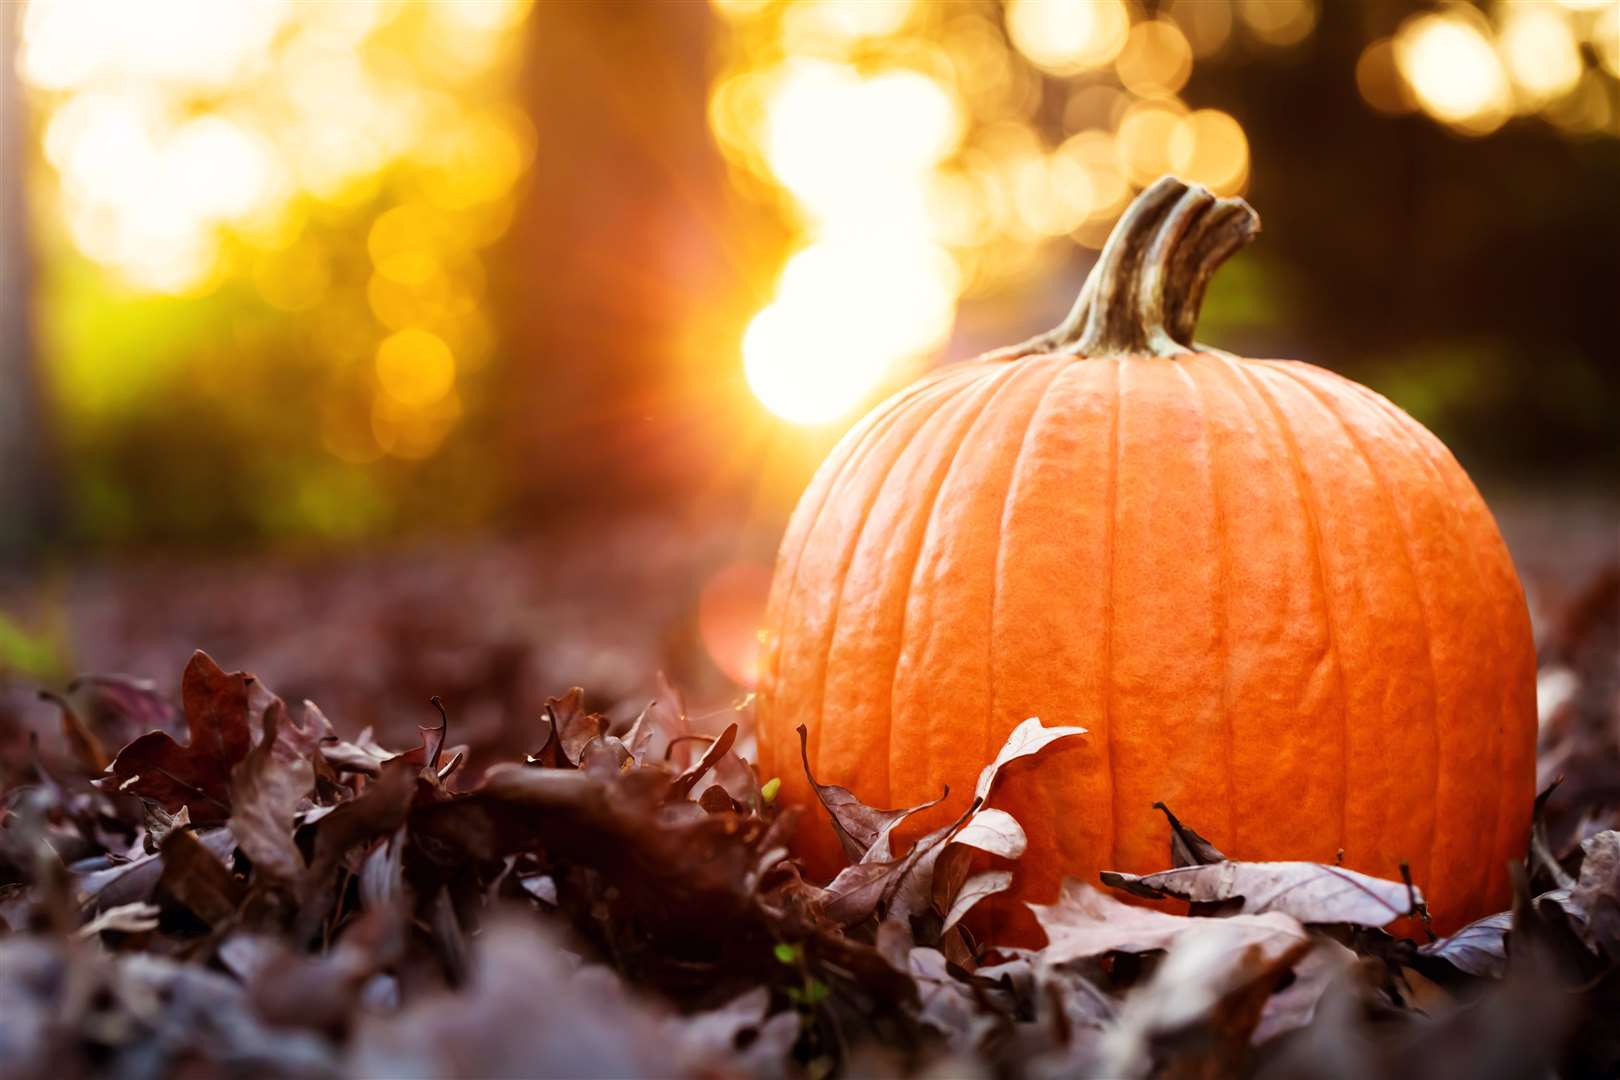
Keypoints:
(241, 886)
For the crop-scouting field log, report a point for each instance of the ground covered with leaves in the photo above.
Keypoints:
(234, 884)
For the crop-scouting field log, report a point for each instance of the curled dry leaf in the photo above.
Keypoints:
(974, 889)
(716, 750)
(932, 872)
(1310, 892)
(947, 1004)
(1478, 949)
(1326, 965)
(1028, 738)
(661, 727)
(1084, 923)
(859, 827)
(1187, 848)
(266, 788)
(944, 870)
(993, 831)
(197, 774)
(574, 728)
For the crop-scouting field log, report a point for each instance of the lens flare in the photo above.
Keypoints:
(731, 611)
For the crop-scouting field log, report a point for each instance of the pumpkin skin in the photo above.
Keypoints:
(1275, 600)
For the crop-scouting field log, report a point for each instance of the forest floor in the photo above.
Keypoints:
(528, 887)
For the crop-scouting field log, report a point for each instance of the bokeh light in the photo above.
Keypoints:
(1540, 52)
(903, 146)
(1065, 38)
(731, 612)
(1379, 81)
(195, 145)
(1156, 60)
(415, 368)
(1279, 22)
(1451, 66)
(1208, 146)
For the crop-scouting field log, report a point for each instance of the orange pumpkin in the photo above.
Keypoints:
(1274, 599)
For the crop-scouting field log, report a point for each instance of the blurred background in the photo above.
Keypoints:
(475, 347)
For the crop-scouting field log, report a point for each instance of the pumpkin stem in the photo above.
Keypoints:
(1143, 295)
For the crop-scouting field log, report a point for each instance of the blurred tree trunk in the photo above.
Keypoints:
(623, 284)
(25, 490)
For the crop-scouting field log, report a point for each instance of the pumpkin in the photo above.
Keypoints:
(1275, 600)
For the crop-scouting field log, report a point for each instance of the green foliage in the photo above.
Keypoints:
(36, 656)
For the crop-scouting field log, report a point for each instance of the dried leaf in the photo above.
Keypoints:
(196, 775)
(659, 727)
(854, 894)
(574, 726)
(377, 811)
(1294, 1006)
(362, 755)
(974, 889)
(382, 876)
(718, 749)
(1310, 892)
(1597, 893)
(911, 888)
(1187, 848)
(740, 782)
(101, 711)
(994, 831)
(1085, 922)
(1026, 739)
(859, 827)
(160, 823)
(946, 1004)
(266, 788)
(135, 880)
(133, 918)
(1198, 1013)
(1478, 949)
(195, 877)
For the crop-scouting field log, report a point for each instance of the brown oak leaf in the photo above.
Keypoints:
(197, 774)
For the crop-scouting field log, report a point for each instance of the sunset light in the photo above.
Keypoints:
(705, 539)
(196, 144)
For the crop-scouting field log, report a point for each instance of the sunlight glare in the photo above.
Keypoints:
(850, 146)
(845, 313)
